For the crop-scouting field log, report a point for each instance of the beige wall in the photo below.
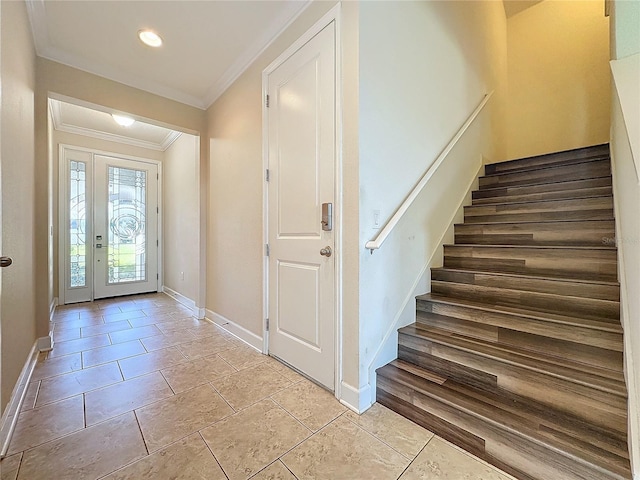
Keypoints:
(559, 96)
(18, 192)
(58, 138)
(424, 68)
(181, 217)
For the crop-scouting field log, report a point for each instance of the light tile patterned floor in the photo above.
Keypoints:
(134, 388)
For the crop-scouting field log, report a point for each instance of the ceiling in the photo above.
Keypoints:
(207, 44)
(71, 118)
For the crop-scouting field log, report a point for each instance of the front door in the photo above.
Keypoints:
(109, 217)
(301, 161)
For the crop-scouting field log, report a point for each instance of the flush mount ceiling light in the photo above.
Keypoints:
(122, 120)
(150, 38)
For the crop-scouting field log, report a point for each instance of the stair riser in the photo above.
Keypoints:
(580, 171)
(530, 284)
(602, 214)
(598, 264)
(569, 207)
(570, 157)
(513, 453)
(591, 347)
(597, 234)
(558, 187)
(606, 310)
(595, 406)
(545, 196)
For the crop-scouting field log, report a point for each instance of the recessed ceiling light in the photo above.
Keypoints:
(150, 38)
(122, 120)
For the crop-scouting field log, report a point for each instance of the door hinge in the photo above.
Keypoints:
(267, 250)
(157, 276)
(267, 324)
(158, 210)
(157, 243)
(266, 175)
(157, 176)
(266, 101)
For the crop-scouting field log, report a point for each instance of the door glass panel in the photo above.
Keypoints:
(77, 230)
(126, 220)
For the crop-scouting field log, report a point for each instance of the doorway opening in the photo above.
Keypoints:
(124, 205)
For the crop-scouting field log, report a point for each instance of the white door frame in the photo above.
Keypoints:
(62, 199)
(332, 15)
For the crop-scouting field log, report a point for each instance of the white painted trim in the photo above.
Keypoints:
(10, 416)
(332, 15)
(236, 330)
(377, 242)
(59, 125)
(373, 365)
(45, 344)
(52, 308)
(356, 399)
(244, 61)
(178, 297)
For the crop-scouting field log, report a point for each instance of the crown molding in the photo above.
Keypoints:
(257, 48)
(59, 125)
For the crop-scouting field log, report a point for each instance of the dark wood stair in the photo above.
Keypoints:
(516, 354)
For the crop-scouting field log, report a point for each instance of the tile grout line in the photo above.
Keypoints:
(391, 447)
(213, 454)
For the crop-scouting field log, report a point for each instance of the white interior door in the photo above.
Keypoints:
(301, 162)
(109, 226)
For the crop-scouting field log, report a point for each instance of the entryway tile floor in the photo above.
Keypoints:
(135, 388)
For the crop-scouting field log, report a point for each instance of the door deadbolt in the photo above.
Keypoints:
(326, 251)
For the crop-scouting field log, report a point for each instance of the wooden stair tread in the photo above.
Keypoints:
(537, 168)
(537, 161)
(545, 222)
(523, 312)
(603, 309)
(565, 369)
(558, 185)
(522, 418)
(543, 202)
(536, 247)
(527, 408)
(587, 169)
(537, 277)
(554, 195)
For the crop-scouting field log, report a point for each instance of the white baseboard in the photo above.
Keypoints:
(236, 330)
(186, 301)
(45, 344)
(10, 415)
(52, 308)
(355, 399)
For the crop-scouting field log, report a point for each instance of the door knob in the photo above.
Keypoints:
(5, 261)
(326, 251)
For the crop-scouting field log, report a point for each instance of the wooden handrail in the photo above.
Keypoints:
(377, 242)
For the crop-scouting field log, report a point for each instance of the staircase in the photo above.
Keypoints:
(516, 354)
